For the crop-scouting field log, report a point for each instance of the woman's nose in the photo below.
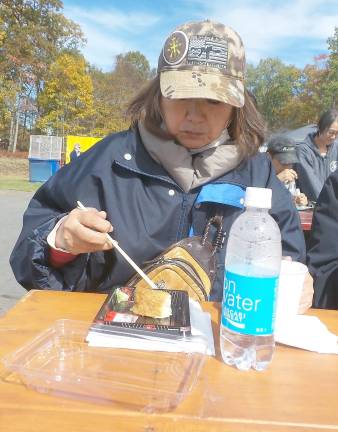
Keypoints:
(195, 110)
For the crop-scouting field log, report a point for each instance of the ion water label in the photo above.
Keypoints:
(249, 303)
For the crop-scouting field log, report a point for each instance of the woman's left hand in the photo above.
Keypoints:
(301, 199)
(307, 295)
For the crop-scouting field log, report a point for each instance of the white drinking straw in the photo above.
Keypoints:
(123, 253)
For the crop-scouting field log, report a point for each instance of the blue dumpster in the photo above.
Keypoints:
(40, 170)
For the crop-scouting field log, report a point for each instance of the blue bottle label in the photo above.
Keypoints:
(249, 303)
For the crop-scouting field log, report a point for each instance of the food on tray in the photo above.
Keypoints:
(152, 303)
(122, 294)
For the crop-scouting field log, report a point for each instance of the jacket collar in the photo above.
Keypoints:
(310, 142)
(132, 155)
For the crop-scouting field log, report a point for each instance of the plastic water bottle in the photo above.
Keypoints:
(252, 266)
(291, 186)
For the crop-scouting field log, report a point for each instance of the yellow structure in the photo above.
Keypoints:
(77, 145)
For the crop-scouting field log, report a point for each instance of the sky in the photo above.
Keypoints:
(293, 30)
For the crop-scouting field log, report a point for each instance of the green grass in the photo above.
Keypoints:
(18, 183)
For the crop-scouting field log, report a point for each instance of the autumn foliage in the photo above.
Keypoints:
(48, 87)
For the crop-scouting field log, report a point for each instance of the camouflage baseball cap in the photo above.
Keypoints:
(203, 60)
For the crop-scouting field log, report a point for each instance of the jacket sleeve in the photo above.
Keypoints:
(30, 257)
(322, 257)
(286, 215)
(307, 175)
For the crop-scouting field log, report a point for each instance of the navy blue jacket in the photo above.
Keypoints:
(313, 168)
(322, 255)
(147, 209)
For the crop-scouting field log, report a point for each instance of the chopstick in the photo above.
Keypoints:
(123, 253)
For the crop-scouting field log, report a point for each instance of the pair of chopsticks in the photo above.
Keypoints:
(123, 253)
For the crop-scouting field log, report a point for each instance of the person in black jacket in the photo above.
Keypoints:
(322, 255)
(283, 153)
(191, 151)
(75, 153)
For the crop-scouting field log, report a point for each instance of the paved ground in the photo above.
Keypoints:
(12, 205)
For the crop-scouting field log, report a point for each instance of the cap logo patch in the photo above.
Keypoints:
(208, 51)
(175, 48)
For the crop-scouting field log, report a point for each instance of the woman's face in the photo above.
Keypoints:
(195, 122)
(279, 167)
(332, 132)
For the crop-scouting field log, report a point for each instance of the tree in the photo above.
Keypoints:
(35, 32)
(274, 85)
(332, 78)
(32, 35)
(305, 107)
(66, 101)
(113, 91)
(133, 65)
(8, 92)
(131, 72)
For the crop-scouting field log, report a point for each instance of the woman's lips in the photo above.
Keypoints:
(192, 134)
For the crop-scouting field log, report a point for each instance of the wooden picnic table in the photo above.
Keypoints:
(297, 392)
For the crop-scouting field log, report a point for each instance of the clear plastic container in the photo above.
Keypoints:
(60, 362)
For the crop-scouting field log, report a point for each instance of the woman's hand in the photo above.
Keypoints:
(301, 199)
(287, 176)
(307, 294)
(84, 231)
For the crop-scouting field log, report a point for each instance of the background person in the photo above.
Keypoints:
(322, 257)
(318, 155)
(283, 153)
(191, 151)
(76, 152)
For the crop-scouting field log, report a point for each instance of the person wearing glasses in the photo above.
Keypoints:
(318, 155)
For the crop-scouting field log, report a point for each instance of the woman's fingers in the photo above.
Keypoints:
(93, 219)
(84, 231)
(287, 175)
(79, 238)
(293, 173)
(302, 199)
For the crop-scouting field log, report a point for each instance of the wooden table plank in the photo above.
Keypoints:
(297, 392)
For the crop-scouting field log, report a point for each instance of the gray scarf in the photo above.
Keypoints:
(192, 168)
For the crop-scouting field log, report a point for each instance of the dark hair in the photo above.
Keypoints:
(246, 127)
(326, 120)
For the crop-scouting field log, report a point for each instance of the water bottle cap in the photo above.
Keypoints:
(258, 197)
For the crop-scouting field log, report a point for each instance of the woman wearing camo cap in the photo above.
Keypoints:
(192, 149)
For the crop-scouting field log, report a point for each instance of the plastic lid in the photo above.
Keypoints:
(59, 361)
(258, 197)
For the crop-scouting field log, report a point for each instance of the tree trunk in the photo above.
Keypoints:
(11, 133)
(16, 130)
(13, 136)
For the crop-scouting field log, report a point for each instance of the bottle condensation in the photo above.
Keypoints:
(252, 266)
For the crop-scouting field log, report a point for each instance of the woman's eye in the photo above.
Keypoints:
(213, 102)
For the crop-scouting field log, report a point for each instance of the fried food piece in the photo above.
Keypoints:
(152, 303)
